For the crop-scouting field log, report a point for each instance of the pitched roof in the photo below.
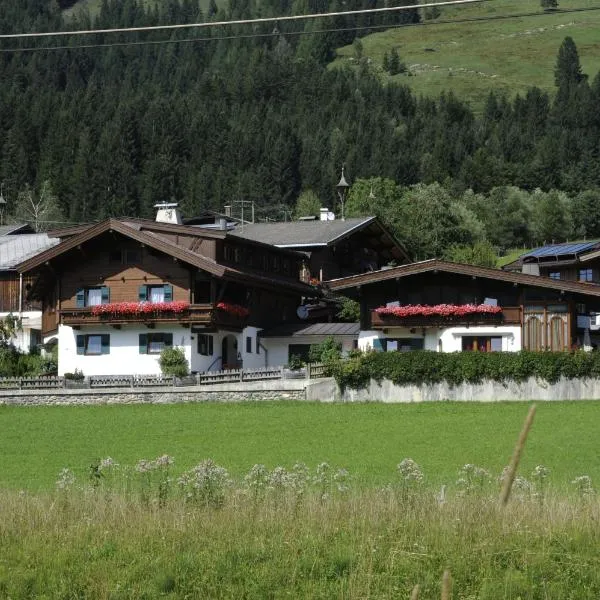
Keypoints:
(14, 249)
(556, 254)
(15, 228)
(312, 329)
(435, 265)
(301, 234)
(149, 235)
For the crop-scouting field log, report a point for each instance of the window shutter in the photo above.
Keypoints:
(168, 293)
(105, 341)
(81, 344)
(168, 339)
(143, 343)
(378, 345)
(210, 345)
(80, 298)
(143, 293)
(105, 291)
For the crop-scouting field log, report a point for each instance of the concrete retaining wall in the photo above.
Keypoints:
(317, 390)
(488, 391)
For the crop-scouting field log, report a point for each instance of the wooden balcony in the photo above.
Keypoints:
(195, 314)
(509, 316)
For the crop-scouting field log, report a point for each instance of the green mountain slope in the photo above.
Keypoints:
(473, 57)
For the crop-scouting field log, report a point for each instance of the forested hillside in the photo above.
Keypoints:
(253, 114)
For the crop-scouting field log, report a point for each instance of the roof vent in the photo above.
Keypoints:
(326, 215)
(167, 212)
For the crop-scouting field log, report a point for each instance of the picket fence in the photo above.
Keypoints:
(310, 371)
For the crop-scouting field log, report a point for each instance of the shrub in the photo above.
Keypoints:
(172, 361)
(406, 368)
(76, 375)
(325, 352)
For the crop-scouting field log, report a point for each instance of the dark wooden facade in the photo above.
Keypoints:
(548, 313)
(261, 279)
(13, 297)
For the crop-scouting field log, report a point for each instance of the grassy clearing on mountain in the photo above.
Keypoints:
(473, 58)
(366, 439)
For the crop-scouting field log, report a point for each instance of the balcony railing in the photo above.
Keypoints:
(205, 314)
(509, 316)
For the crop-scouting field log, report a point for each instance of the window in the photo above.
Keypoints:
(404, 344)
(554, 275)
(248, 344)
(155, 343)
(257, 345)
(482, 344)
(93, 344)
(92, 296)
(114, 256)
(299, 350)
(205, 344)
(128, 256)
(586, 275)
(155, 293)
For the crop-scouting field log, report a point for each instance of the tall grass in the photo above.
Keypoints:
(118, 539)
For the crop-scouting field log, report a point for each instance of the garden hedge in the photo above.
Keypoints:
(423, 367)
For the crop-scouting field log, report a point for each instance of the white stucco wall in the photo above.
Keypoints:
(30, 320)
(124, 357)
(450, 337)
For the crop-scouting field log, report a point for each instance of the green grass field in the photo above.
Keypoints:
(367, 439)
(472, 58)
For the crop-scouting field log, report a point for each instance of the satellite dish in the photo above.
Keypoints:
(302, 312)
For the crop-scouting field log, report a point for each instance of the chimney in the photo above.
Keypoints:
(227, 209)
(167, 212)
(326, 215)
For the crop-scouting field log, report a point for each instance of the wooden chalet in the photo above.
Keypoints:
(443, 306)
(331, 247)
(117, 292)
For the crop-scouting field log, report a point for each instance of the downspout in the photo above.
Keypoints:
(20, 295)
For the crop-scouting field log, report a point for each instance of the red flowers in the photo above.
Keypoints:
(139, 308)
(439, 310)
(233, 309)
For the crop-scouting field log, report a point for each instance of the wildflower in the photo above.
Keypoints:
(66, 478)
(584, 486)
(145, 466)
(410, 471)
(107, 463)
(472, 477)
(164, 461)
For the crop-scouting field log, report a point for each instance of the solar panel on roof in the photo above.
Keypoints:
(561, 249)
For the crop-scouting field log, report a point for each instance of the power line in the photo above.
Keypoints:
(300, 33)
(364, 11)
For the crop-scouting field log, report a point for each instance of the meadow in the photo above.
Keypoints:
(159, 520)
(472, 58)
(366, 439)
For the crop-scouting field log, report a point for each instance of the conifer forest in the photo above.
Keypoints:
(109, 125)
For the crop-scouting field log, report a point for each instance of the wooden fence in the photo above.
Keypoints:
(311, 371)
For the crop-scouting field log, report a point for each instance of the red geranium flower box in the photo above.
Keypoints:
(438, 310)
